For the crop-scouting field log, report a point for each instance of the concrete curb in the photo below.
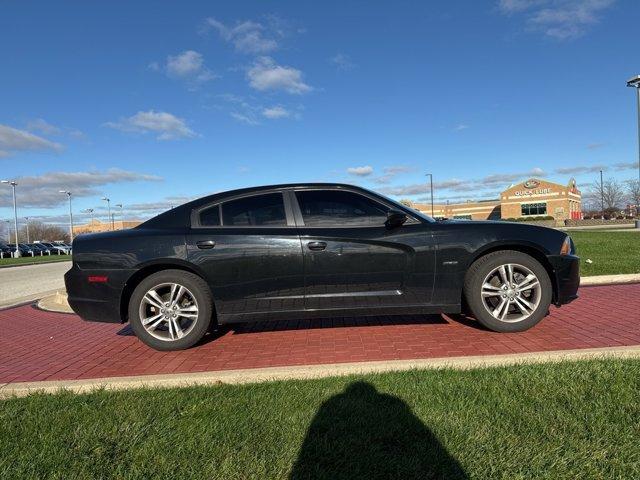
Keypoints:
(36, 263)
(16, 302)
(300, 372)
(610, 279)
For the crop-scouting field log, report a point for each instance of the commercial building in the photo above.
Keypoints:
(96, 226)
(532, 199)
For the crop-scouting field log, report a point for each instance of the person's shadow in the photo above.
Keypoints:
(363, 434)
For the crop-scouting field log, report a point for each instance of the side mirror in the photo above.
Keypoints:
(395, 218)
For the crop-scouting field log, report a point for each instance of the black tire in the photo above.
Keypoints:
(200, 292)
(473, 286)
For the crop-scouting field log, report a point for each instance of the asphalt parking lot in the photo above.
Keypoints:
(26, 282)
(37, 345)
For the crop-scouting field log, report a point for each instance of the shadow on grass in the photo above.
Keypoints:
(363, 434)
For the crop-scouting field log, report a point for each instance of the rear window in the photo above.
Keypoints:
(210, 217)
(255, 211)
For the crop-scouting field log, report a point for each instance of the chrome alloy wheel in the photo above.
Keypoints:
(511, 293)
(168, 311)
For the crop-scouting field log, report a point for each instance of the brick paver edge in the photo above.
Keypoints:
(301, 372)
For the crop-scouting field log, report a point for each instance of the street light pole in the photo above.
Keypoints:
(68, 194)
(121, 213)
(108, 200)
(15, 212)
(431, 189)
(601, 197)
(27, 219)
(635, 83)
(90, 210)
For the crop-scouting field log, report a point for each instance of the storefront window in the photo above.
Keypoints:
(534, 209)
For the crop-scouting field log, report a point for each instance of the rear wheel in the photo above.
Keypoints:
(508, 291)
(171, 310)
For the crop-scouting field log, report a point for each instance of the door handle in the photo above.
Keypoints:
(205, 244)
(316, 246)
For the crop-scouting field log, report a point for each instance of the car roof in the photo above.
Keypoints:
(179, 215)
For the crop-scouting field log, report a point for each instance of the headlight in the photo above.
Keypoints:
(567, 246)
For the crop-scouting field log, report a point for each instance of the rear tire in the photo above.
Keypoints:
(508, 291)
(171, 310)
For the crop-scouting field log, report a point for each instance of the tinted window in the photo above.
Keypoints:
(210, 217)
(334, 207)
(259, 210)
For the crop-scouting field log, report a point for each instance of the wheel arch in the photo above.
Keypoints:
(528, 249)
(148, 269)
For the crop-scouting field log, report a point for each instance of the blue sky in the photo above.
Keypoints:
(152, 103)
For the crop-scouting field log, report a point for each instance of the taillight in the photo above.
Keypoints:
(566, 246)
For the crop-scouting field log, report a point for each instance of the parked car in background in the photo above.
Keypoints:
(314, 250)
(5, 250)
(56, 248)
(39, 249)
(23, 248)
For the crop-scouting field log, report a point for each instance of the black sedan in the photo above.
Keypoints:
(314, 250)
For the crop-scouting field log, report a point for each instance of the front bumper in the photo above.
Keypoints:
(96, 302)
(566, 278)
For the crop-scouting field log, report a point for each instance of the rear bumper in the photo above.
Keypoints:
(566, 269)
(96, 302)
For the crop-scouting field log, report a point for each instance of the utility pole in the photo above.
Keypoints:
(68, 194)
(601, 197)
(431, 189)
(15, 213)
(27, 219)
(108, 200)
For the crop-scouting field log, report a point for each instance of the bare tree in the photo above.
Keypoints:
(39, 231)
(610, 192)
(406, 202)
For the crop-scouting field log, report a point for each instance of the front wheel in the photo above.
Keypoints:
(508, 291)
(171, 310)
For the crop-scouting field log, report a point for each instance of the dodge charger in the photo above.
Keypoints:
(314, 251)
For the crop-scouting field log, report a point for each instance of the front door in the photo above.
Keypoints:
(249, 251)
(352, 260)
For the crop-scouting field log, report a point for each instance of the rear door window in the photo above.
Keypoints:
(256, 211)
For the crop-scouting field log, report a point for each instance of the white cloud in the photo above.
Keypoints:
(559, 19)
(247, 37)
(13, 140)
(391, 172)
(42, 126)
(248, 117)
(188, 66)
(265, 74)
(165, 125)
(360, 171)
(457, 185)
(342, 62)
(460, 127)
(276, 112)
(42, 191)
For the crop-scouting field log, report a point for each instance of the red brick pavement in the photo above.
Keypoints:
(37, 345)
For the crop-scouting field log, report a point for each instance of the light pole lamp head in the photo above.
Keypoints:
(10, 182)
(634, 82)
(65, 192)
(106, 199)
(119, 205)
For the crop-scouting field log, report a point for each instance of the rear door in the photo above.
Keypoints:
(352, 260)
(249, 250)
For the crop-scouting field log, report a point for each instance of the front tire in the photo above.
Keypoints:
(508, 291)
(171, 310)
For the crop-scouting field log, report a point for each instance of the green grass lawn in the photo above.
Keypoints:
(569, 420)
(37, 259)
(611, 252)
